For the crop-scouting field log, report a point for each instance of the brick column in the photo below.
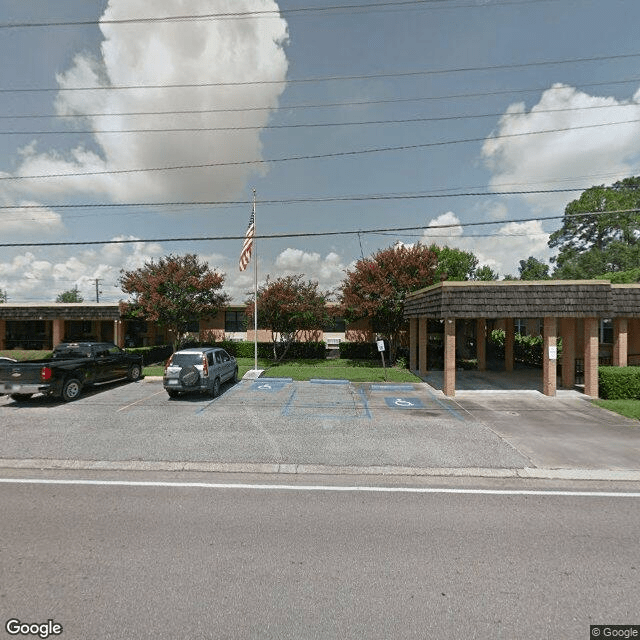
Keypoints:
(481, 343)
(3, 334)
(620, 329)
(591, 357)
(568, 333)
(549, 364)
(509, 339)
(58, 331)
(449, 357)
(423, 338)
(118, 333)
(413, 341)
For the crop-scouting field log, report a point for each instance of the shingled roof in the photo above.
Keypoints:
(53, 310)
(524, 299)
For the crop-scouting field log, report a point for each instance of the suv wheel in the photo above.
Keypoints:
(215, 390)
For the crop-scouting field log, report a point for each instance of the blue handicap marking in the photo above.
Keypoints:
(404, 403)
(269, 385)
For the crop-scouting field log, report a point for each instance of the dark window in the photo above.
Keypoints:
(193, 326)
(606, 331)
(235, 321)
(335, 325)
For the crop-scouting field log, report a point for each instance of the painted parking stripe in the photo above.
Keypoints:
(329, 488)
(324, 381)
(392, 387)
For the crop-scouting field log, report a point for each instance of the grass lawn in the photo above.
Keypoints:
(628, 408)
(353, 370)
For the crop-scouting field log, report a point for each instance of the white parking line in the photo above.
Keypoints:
(289, 487)
(141, 400)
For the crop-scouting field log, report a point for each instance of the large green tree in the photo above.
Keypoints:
(600, 232)
(3, 296)
(377, 286)
(173, 292)
(533, 269)
(289, 306)
(454, 264)
(70, 296)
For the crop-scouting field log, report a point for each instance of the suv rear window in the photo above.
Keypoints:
(186, 359)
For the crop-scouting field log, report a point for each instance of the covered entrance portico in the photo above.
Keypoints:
(571, 310)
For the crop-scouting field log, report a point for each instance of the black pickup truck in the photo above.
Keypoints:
(73, 365)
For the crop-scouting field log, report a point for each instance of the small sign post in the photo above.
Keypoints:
(381, 350)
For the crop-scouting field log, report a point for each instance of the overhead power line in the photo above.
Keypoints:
(370, 76)
(308, 234)
(335, 154)
(349, 103)
(364, 7)
(311, 125)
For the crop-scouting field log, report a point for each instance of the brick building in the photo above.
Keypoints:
(578, 311)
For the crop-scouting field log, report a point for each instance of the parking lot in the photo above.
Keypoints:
(262, 421)
(333, 423)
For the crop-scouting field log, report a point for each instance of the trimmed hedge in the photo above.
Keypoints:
(619, 383)
(151, 355)
(296, 351)
(359, 350)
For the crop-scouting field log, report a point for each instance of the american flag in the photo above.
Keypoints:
(247, 245)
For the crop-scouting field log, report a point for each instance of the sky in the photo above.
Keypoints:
(134, 121)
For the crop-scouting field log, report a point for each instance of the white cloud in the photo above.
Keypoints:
(28, 219)
(328, 271)
(548, 160)
(164, 53)
(509, 243)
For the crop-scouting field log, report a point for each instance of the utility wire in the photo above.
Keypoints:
(365, 7)
(316, 233)
(350, 103)
(311, 125)
(336, 154)
(371, 76)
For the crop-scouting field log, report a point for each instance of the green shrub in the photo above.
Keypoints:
(359, 351)
(296, 351)
(619, 383)
(151, 355)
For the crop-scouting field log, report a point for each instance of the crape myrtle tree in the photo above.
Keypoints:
(607, 239)
(288, 306)
(377, 286)
(173, 292)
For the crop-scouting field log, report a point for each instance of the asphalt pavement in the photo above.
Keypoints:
(279, 425)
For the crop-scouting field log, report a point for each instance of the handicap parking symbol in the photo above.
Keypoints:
(268, 386)
(404, 403)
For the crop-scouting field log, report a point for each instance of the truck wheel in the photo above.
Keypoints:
(21, 397)
(135, 372)
(71, 389)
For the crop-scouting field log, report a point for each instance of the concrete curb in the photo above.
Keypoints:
(624, 475)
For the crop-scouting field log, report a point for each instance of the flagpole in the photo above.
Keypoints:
(255, 287)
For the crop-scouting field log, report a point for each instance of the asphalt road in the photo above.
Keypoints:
(197, 560)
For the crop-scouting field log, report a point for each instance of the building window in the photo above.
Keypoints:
(520, 326)
(235, 321)
(193, 326)
(335, 325)
(606, 331)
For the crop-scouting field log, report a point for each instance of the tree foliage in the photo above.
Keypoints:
(485, 273)
(454, 264)
(70, 296)
(3, 296)
(173, 292)
(288, 306)
(377, 286)
(607, 240)
(533, 269)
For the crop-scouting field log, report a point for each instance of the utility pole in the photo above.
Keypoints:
(98, 289)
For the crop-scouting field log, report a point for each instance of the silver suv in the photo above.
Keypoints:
(201, 369)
